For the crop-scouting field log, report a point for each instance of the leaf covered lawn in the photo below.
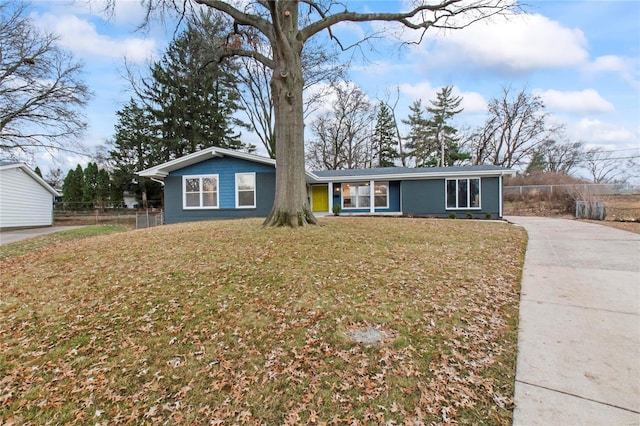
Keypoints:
(226, 323)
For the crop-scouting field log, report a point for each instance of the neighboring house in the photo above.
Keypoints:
(26, 200)
(129, 200)
(218, 183)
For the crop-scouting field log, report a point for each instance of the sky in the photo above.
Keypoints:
(582, 58)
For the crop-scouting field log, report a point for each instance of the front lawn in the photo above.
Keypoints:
(36, 243)
(226, 323)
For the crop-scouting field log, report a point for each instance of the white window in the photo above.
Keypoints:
(381, 194)
(463, 193)
(245, 190)
(200, 192)
(358, 195)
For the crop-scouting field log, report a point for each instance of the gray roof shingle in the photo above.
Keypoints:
(405, 170)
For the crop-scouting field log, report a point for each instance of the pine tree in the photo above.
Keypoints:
(192, 94)
(90, 185)
(441, 135)
(416, 145)
(103, 189)
(72, 188)
(135, 148)
(37, 171)
(538, 162)
(384, 138)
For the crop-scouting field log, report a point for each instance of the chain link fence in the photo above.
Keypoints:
(149, 218)
(127, 217)
(523, 191)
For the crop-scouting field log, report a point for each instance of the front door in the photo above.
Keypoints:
(320, 198)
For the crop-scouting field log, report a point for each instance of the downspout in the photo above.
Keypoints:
(500, 197)
(162, 212)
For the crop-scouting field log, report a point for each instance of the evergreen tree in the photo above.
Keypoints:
(103, 189)
(416, 145)
(37, 171)
(186, 105)
(192, 94)
(538, 162)
(90, 185)
(384, 138)
(72, 189)
(441, 135)
(134, 149)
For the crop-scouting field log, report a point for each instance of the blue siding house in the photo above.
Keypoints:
(218, 183)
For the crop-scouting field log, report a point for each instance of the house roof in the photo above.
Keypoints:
(407, 173)
(7, 165)
(390, 173)
(161, 171)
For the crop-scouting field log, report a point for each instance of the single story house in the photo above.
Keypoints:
(218, 183)
(26, 200)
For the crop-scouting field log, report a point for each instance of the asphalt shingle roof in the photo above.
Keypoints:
(403, 171)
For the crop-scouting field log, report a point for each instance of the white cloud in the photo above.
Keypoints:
(584, 101)
(626, 68)
(424, 91)
(600, 133)
(519, 43)
(472, 102)
(82, 38)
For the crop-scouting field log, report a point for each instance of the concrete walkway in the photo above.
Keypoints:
(12, 236)
(579, 337)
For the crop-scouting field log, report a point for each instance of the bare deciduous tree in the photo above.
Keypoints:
(515, 127)
(561, 157)
(41, 90)
(320, 65)
(601, 166)
(392, 108)
(286, 26)
(343, 134)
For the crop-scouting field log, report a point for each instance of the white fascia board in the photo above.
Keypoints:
(416, 176)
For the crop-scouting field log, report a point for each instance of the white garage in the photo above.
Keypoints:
(26, 200)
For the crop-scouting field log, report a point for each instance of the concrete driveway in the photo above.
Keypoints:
(579, 334)
(11, 236)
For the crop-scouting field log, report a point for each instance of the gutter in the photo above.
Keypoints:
(412, 176)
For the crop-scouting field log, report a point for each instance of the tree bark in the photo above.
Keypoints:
(291, 204)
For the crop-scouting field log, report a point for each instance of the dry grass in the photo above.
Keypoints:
(226, 323)
(55, 238)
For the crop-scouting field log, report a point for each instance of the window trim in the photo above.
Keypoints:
(238, 206)
(200, 207)
(386, 206)
(371, 194)
(468, 179)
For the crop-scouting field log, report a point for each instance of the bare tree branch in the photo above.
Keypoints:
(41, 92)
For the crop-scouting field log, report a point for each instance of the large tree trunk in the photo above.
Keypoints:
(291, 205)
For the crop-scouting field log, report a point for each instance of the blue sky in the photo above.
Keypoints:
(581, 57)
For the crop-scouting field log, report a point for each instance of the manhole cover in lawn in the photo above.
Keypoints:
(367, 334)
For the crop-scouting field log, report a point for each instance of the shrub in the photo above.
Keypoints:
(452, 215)
(469, 215)
(487, 215)
(336, 209)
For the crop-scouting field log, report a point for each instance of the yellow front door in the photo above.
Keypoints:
(320, 198)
